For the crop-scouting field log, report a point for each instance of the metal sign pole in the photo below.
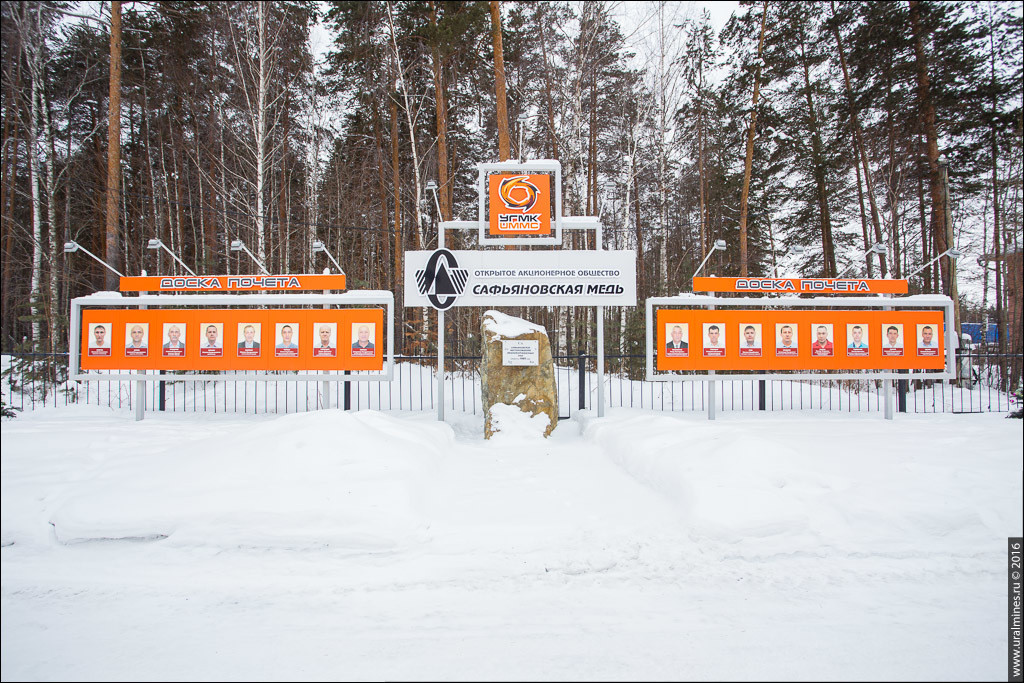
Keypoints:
(712, 386)
(887, 383)
(325, 386)
(140, 386)
(600, 340)
(440, 342)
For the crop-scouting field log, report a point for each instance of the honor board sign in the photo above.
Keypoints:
(444, 278)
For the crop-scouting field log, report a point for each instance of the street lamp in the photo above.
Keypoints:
(71, 247)
(236, 245)
(793, 249)
(317, 245)
(522, 119)
(951, 253)
(876, 248)
(432, 187)
(719, 245)
(158, 244)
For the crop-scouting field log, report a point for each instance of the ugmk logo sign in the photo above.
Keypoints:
(442, 281)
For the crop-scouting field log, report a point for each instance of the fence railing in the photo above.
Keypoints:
(34, 380)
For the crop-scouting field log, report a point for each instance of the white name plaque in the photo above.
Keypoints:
(520, 352)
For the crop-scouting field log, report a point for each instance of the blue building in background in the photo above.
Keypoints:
(991, 336)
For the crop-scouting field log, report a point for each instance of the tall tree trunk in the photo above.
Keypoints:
(114, 144)
(396, 185)
(860, 150)
(444, 191)
(864, 222)
(504, 148)
(748, 164)
(37, 210)
(552, 139)
(927, 113)
(827, 244)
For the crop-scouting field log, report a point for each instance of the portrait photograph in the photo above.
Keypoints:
(750, 340)
(786, 344)
(363, 336)
(174, 340)
(677, 340)
(211, 340)
(892, 339)
(249, 340)
(325, 340)
(286, 336)
(822, 340)
(857, 336)
(136, 340)
(713, 338)
(928, 340)
(99, 340)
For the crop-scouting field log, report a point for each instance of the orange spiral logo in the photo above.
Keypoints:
(516, 192)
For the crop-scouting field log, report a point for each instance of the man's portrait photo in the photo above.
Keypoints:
(677, 336)
(714, 340)
(285, 335)
(174, 340)
(892, 339)
(248, 340)
(136, 342)
(857, 339)
(750, 340)
(211, 344)
(99, 339)
(325, 340)
(927, 341)
(362, 340)
(786, 344)
(821, 341)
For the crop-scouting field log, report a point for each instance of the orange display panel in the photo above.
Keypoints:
(519, 204)
(241, 340)
(765, 285)
(231, 283)
(702, 340)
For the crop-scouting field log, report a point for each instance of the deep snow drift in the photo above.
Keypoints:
(367, 545)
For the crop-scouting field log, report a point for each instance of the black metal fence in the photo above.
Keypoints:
(35, 380)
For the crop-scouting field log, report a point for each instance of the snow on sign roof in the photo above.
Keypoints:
(800, 285)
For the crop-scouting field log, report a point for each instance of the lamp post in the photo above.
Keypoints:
(432, 187)
(719, 245)
(876, 248)
(795, 250)
(158, 244)
(953, 254)
(318, 246)
(521, 121)
(71, 247)
(237, 245)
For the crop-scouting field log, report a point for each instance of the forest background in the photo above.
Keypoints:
(827, 125)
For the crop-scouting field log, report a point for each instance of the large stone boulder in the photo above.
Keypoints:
(530, 388)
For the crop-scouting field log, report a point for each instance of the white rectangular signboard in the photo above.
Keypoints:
(525, 278)
(520, 352)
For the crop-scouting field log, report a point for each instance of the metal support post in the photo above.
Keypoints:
(440, 343)
(712, 386)
(440, 365)
(326, 386)
(140, 386)
(600, 361)
(887, 384)
(581, 375)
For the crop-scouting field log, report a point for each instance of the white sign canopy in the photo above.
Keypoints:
(520, 278)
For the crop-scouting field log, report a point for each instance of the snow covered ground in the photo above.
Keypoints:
(642, 545)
